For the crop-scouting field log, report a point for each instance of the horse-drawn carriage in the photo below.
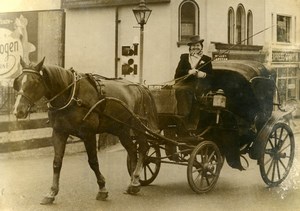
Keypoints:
(236, 117)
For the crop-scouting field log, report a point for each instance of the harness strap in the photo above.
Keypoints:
(76, 77)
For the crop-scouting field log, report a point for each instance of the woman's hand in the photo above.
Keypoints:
(197, 73)
(201, 74)
(193, 71)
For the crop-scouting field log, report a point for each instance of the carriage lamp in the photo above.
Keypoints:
(219, 99)
(142, 14)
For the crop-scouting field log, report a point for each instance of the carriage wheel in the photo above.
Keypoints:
(278, 155)
(151, 165)
(204, 167)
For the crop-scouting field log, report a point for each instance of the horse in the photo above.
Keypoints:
(82, 106)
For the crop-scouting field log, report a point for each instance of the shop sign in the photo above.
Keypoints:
(14, 43)
(220, 57)
(284, 56)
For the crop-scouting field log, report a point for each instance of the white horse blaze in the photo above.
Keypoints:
(24, 79)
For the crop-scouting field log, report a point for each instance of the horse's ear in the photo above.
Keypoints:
(23, 64)
(39, 66)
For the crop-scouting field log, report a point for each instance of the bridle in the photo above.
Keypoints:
(29, 99)
(76, 77)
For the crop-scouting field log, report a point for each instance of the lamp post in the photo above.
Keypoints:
(142, 14)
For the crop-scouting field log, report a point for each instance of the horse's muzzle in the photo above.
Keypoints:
(21, 114)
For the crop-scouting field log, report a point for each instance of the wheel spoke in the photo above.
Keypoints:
(273, 172)
(211, 155)
(285, 168)
(285, 148)
(198, 178)
(282, 141)
(201, 181)
(271, 143)
(278, 170)
(275, 142)
(270, 159)
(207, 181)
(150, 169)
(268, 171)
(152, 153)
(145, 173)
(197, 170)
(281, 132)
(206, 154)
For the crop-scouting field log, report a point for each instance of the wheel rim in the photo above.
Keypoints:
(204, 167)
(278, 155)
(151, 165)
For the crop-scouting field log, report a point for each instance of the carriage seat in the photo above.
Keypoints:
(165, 99)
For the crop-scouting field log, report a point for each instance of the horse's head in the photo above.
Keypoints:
(30, 87)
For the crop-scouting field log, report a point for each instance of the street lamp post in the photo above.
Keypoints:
(142, 14)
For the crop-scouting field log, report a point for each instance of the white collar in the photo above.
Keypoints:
(194, 60)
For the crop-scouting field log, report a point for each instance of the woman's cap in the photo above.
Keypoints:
(194, 40)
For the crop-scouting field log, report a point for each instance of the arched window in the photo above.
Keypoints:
(249, 28)
(188, 20)
(240, 24)
(230, 23)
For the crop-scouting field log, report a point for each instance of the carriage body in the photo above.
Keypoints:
(236, 117)
(247, 89)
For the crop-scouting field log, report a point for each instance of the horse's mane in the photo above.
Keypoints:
(56, 78)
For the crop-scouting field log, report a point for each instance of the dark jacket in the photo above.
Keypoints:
(184, 66)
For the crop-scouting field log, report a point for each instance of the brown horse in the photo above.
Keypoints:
(81, 106)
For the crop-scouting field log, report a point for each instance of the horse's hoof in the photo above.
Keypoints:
(101, 196)
(47, 200)
(133, 189)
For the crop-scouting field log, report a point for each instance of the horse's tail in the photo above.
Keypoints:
(150, 108)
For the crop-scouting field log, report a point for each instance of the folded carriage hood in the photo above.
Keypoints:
(246, 68)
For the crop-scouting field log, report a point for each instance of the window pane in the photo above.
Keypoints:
(291, 88)
(283, 28)
(249, 28)
(188, 13)
(281, 72)
(187, 29)
(282, 89)
(230, 26)
(240, 25)
(292, 72)
(188, 21)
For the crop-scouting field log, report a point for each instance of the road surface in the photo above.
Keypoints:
(25, 180)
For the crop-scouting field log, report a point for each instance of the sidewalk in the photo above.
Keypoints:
(32, 140)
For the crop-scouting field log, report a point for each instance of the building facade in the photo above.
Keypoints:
(102, 36)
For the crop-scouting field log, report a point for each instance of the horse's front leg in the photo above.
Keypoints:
(59, 140)
(91, 149)
(135, 185)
